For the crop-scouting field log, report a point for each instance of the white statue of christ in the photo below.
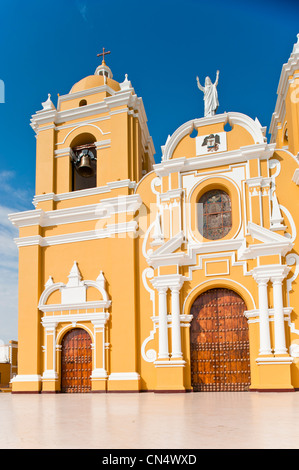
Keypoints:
(210, 95)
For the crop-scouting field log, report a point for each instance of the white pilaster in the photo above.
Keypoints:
(163, 329)
(279, 328)
(265, 343)
(176, 323)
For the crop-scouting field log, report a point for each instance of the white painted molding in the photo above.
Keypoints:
(26, 378)
(107, 207)
(124, 376)
(108, 232)
(90, 305)
(123, 97)
(217, 279)
(262, 151)
(296, 176)
(73, 302)
(253, 316)
(82, 124)
(49, 375)
(74, 318)
(274, 360)
(171, 363)
(99, 373)
(271, 243)
(168, 281)
(84, 192)
(242, 120)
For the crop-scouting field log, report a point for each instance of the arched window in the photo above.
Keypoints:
(83, 103)
(214, 214)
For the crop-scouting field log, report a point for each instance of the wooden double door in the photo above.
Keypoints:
(219, 342)
(76, 362)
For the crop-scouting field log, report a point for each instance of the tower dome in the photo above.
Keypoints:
(102, 76)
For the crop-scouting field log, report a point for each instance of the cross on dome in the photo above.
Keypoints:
(103, 54)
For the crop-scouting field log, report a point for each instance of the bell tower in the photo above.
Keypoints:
(92, 149)
(96, 135)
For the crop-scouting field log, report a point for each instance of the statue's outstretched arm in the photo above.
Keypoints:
(217, 78)
(199, 85)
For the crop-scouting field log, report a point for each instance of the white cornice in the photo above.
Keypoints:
(105, 208)
(262, 151)
(271, 243)
(168, 281)
(83, 93)
(124, 97)
(264, 235)
(110, 231)
(74, 306)
(76, 317)
(270, 271)
(84, 192)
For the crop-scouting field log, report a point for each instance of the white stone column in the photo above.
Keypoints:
(265, 343)
(279, 328)
(163, 329)
(176, 323)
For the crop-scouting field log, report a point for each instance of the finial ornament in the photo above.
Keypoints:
(47, 105)
(103, 54)
(210, 95)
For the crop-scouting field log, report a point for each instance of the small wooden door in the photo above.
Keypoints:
(219, 342)
(76, 362)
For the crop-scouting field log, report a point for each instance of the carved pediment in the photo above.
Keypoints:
(268, 243)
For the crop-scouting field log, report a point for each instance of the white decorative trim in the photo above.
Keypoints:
(91, 305)
(108, 232)
(26, 378)
(170, 363)
(262, 151)
(242, 120)
(274, 360)
(83, 124)
(194, 188)
(272, 243)
(125, 97)
(217, 279)
(74, 281)
(76, 318)
(168, 281)
(253, 316)
(151, 354)
(99, 374)
(84, 192)
(124, 376)
(217, 261)
(49, 375)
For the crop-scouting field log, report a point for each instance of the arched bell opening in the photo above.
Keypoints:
(84, 162)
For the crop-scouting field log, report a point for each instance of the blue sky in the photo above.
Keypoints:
(47, 46)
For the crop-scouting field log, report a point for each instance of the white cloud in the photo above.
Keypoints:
(82, 7)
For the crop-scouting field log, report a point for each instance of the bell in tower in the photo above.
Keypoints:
(84, 166)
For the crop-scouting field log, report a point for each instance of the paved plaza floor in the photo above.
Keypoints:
(236, 420)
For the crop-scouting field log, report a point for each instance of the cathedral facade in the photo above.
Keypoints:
(175, 276)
